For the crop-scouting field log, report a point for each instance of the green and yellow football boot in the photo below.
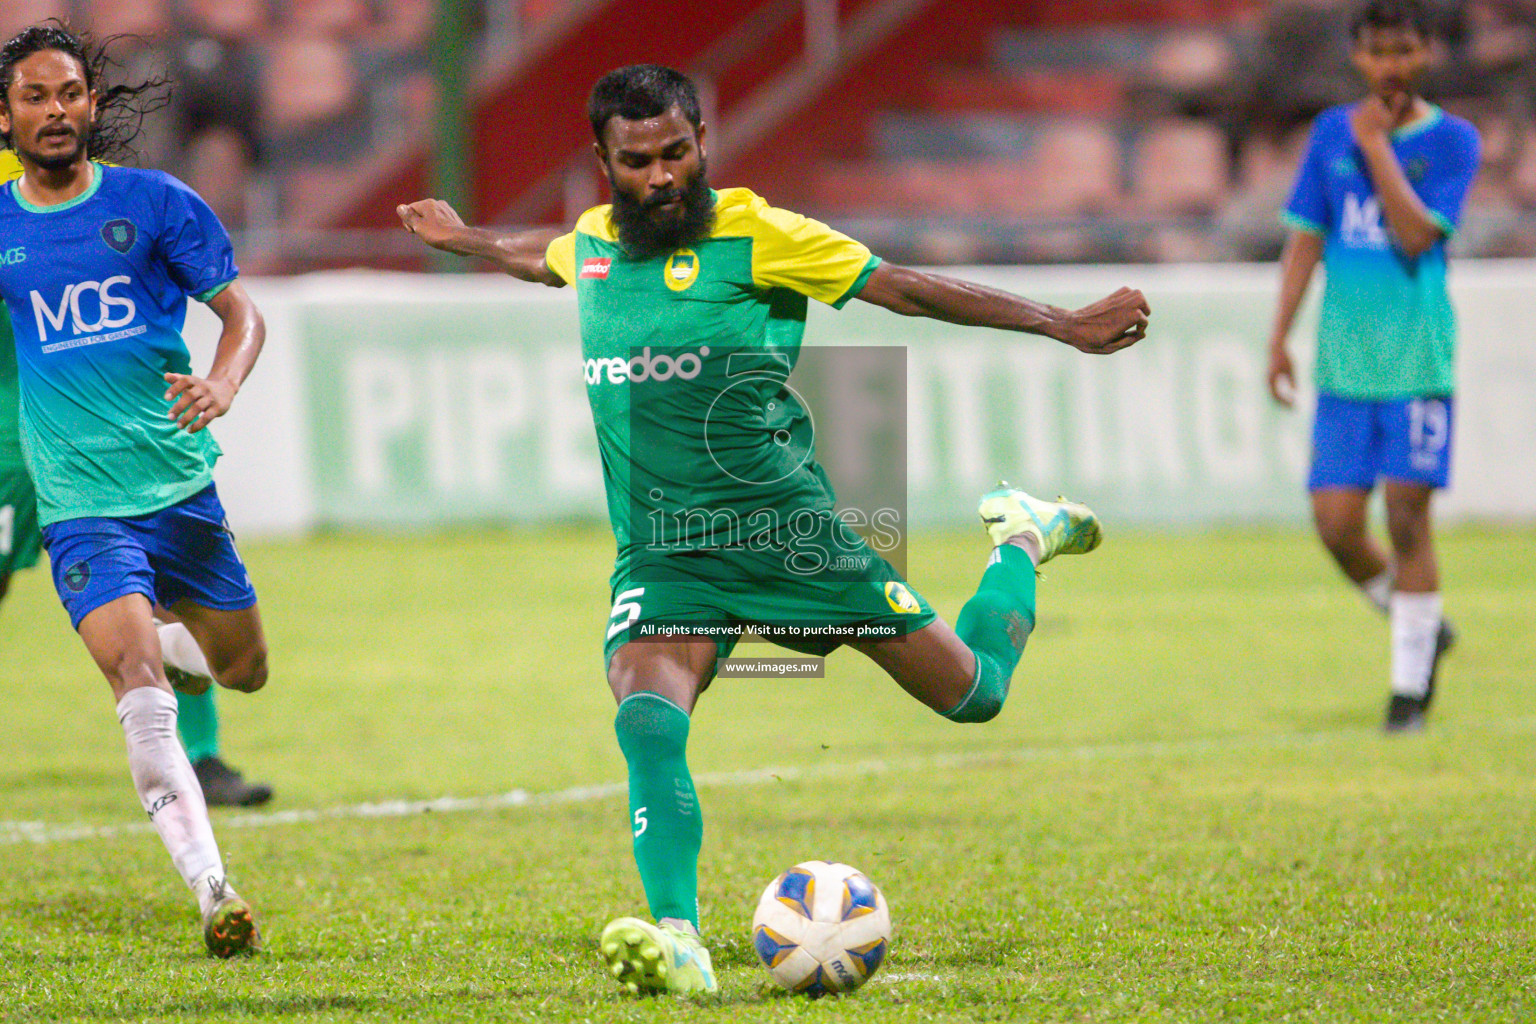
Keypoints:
(1062, 527)
(647, 957)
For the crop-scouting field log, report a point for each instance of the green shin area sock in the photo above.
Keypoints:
(995, 624)
(663, 807)
(198, 722)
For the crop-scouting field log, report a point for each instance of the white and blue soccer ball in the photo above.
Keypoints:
(821, 927)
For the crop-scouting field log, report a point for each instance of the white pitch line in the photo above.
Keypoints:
(39, 832)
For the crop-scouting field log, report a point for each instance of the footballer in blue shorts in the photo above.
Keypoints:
(99, 262)
(1379, 191)
(21, 542)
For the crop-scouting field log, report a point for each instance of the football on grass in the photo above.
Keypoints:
(821, 927)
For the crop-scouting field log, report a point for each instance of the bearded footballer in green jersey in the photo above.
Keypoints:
(692, 306)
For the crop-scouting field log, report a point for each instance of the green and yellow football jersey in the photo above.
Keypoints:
(10, 396)
(704, 445)
(20, 542)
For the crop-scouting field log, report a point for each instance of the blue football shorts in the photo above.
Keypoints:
(183, 552)
(1357, 443)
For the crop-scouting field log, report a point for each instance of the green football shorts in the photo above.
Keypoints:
(20, 539)
(720, 593)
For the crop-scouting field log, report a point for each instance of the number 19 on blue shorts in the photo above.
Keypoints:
(1358, 443)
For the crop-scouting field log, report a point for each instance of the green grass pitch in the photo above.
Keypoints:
(1185, 813)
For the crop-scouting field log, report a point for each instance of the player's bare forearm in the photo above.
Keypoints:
(244, 334)
(1414, 230)
(519, 254)
(1106, 326)
(199, 401)
(1303, 250)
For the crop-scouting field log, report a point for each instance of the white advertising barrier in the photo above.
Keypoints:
(393, 400)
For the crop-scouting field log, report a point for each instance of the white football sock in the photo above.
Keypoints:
(1415, 627)
(179, 650)
(167, 787)
(1378, 590)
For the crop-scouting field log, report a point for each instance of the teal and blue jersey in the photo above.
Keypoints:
(1387, 329)
(97, 290)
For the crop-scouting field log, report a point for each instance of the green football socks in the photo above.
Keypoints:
(663, 807)
(197, 720)
(995, 624)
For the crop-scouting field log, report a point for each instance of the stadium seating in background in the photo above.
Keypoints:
(148, 18)
(16, 15)
(315, 124)
(1204, 115)
(235, 21)
(335, 19)
(218, 163)
(1180, 168)
(1025, 130)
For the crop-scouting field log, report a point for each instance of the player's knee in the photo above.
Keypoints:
(650, 727)
(978, 710)
(248, 672)
(130, 669)
(1409, 529)
(988, 694)
(1342, 536)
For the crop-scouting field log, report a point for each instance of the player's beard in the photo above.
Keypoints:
(55, 161)
(644, 237)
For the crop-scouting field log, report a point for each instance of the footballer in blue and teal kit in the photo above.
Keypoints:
(1379, 192)
(21, 542)
(97, 264)
(97, 289)
(1387, 330)
(1386, 338)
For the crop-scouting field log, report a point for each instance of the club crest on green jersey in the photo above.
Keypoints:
(682, 270)
(119, 234)
(900, 599)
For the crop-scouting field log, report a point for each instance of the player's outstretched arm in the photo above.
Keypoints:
(201, 400)
(518, 253)
(1108, 325)
(1303, 250)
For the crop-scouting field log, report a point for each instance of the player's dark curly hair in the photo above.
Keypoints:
(1392, 14)
(640, 91)
(120, 109)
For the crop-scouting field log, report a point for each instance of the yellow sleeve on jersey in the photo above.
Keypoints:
(795, 252)
(10, 165)
(560, 257)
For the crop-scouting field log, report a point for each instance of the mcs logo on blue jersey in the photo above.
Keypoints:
(103, 312)
(1361, 225)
